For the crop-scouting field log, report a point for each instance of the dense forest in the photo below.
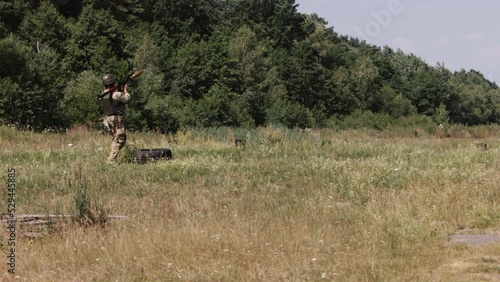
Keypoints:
(217, 63)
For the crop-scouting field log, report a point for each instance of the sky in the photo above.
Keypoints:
(462, 34)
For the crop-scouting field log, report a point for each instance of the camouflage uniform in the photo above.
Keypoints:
(113, 105)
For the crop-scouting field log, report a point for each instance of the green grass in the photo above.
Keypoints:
(289, 206)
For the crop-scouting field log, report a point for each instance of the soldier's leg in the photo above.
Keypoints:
(110, 120)
(119, 138)
(112, 131)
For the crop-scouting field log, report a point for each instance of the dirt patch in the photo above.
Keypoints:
(473, 269)
(481, 261)
(474, 239)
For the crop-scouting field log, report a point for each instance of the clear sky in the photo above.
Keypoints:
(462, 34)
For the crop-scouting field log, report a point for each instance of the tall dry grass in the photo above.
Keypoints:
(290, 205)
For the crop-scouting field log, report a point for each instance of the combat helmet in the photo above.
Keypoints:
(108, 79)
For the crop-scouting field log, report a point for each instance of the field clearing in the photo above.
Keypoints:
(288, 206)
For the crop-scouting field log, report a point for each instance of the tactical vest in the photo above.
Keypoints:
(112, 107)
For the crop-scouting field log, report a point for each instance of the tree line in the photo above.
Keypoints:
(216, 63)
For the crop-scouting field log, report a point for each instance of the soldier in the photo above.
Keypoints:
(113, 104)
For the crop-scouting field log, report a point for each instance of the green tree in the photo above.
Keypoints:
(163, 114)
(494, 96)
(147, 56)
(184, 19)
(430, 88)
(325, 41)
(253, 72)
(191, 76)
(473, 106)
(215, 63)
(341, 99)
(30, 98)
(213, 110)
(303, 75)
(128, 11)
(45, 89)
(472, 77)
(290, 114)
(14, 66)
(13, 58)
(442, 115)
(405, 68)
(246, 51)
(45, 27)
(364, 77)
(11, 15)
(96, 43)
(80, 102)
(11, 104)
(275, 19)
(394, 103)
(147, 109)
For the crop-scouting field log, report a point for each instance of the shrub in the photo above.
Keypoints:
(80, 102)
(361, 119)
(161, 117)
(290, 114)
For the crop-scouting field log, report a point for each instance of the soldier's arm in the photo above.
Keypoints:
(122, 96)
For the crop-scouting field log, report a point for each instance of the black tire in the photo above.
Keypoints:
(143, 156)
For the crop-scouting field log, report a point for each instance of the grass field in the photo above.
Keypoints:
(288, 206)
